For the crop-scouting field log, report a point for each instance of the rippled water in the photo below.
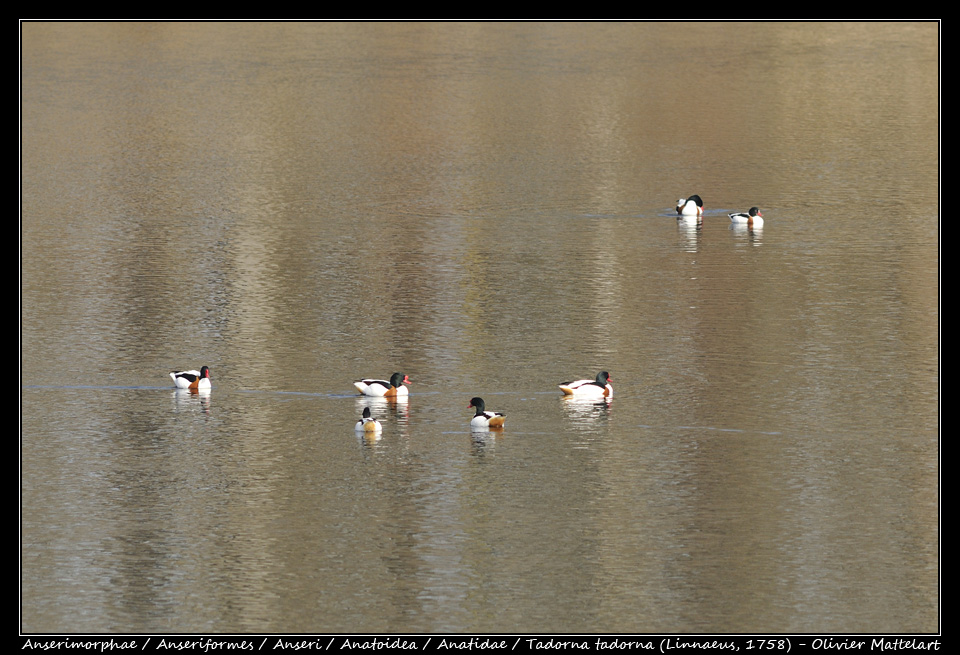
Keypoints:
(487, 207)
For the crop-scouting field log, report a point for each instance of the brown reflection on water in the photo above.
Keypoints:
(489, 208)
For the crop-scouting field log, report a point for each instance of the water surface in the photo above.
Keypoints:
(487, 207)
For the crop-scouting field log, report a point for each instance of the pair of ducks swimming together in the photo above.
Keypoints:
(693, 206)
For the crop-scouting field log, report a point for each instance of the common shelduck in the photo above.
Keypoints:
(368, 423)
(691, 206)
(483, 419)
(382, 388)
(192, 379)
(753, 218)
(599, 388)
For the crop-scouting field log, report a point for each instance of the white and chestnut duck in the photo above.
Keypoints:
(367, 423)
(483, 418)
(382, 388)
(752, 218)
(599, 388)
(692, 206)
(195, 380)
